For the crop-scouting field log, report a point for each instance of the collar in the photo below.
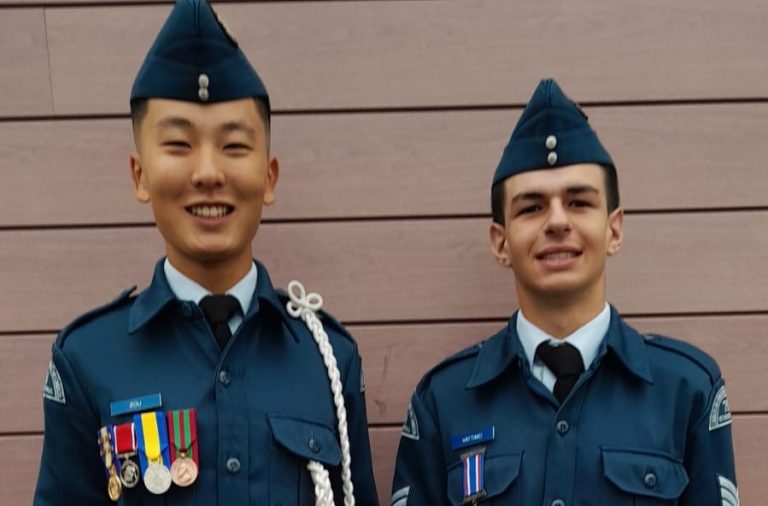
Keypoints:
(186, 289)
(159, 294)
(505, 349)
(586, 338)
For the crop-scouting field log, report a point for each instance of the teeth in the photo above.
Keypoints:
(564, 255)
(210, 211)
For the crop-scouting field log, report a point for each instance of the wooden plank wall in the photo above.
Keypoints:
(389, 120)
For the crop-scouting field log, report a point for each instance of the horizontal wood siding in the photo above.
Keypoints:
(398, 164)
(25, 85)
(390, 117)
(401, 270)
(320, 55)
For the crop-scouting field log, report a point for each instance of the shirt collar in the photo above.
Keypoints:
(185, 288)
(505, 350)
(159, 294)
(586, 338)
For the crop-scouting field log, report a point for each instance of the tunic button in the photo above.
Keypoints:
(314, 445)
(186, 309)
(224, 378)
(558, 502)
(233, 465)
(563, 427)
(650, 480)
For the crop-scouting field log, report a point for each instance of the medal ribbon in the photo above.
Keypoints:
(183, 426)
(152, 438)
(125, 438)
(107, 450)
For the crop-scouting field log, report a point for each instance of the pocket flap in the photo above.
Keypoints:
(306, 438)
(499, 472)
(645, 473)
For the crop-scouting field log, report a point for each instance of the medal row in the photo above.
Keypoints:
(165, 446)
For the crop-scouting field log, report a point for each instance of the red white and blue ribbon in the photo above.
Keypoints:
(474, 469)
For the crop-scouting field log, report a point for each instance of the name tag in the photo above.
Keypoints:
(135, 405)
(473, 438)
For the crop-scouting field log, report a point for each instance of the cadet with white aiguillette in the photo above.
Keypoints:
(209, 387)
(567, 405)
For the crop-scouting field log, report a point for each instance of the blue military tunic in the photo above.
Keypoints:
(264, 404)
(646, 424)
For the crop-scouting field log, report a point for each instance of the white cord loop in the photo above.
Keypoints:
(304, 305)
(301, 301)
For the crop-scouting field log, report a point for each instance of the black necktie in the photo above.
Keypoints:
(218, 310)
(565, 362)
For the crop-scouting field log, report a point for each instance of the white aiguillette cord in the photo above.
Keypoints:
(305, 305)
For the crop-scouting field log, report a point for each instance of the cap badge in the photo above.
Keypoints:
(202, 92)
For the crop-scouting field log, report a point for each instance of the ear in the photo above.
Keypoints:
(499, 245)
(138, 177)
(615, 232)
(273, 173)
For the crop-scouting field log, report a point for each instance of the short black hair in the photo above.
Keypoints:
(139, 110)
(611, 194)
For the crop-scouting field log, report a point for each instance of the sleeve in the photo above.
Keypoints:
(71, 471)
(709, 458)
(419, 478)
(357, 422)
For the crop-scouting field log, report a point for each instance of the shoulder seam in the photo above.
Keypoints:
(88, 316)
(670, 344)
(466, 353)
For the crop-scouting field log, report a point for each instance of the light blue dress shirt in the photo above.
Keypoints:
(186, 289)
(586, 339)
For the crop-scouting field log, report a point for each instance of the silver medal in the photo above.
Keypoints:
(129, 473)
(157, 478)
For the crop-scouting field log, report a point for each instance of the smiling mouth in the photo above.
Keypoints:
(217, 211)
(558, 256)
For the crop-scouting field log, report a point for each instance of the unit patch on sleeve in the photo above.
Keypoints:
(411, 424)
(729, 494)
(53, 390)
(720, 414)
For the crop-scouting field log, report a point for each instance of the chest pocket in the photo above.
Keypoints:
(499, 475)
(296, 441)
(643, 478)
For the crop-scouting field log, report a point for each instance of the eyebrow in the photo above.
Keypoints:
(571, 190)
(174, 122)
(183, 123)
(238, 126)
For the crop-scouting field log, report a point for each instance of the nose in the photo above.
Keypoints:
(207, 172)
(558, 221)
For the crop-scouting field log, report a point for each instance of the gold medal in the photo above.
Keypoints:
(157, 478)
(114, 488)
(184, 471)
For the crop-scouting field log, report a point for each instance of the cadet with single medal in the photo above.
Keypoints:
(567, 404)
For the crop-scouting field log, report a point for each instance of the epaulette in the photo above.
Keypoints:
(124, 296)
(466, 353)
(688, 351)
